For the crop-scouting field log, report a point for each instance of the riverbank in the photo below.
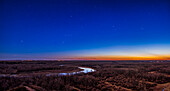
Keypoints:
(52, 72)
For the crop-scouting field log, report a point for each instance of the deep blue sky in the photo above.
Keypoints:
(54, 26)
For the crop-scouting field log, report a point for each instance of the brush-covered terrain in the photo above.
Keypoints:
(109, 76)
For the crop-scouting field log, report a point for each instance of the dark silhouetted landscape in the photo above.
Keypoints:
(108, 76)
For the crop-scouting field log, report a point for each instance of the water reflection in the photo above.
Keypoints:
(84, 70)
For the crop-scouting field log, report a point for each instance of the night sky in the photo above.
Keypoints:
(84, 29)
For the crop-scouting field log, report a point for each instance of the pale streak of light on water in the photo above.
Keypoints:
(84, 70)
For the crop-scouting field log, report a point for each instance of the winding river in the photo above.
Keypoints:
(84, 70)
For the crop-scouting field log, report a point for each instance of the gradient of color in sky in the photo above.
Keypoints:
(84, 29)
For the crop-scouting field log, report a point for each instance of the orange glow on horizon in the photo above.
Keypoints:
(136, 52)
(162, 57)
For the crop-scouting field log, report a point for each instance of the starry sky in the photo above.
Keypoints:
(84, 29)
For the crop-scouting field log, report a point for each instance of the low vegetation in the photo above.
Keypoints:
(109, 76)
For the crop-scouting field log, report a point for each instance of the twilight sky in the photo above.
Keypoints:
(84, 29)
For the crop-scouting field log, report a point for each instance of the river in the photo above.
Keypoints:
(83, 70)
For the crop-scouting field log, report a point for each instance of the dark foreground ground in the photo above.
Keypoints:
(109, 76)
